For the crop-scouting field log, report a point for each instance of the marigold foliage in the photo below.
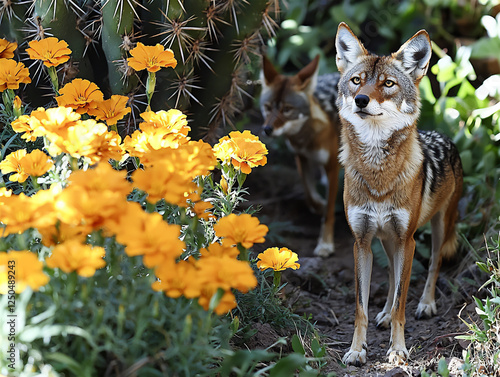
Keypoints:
(51, 51)
(28, 271)
(12, 74)
(241, 229)
(151, 58)
(278, 259)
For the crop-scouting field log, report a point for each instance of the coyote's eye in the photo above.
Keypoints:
(389, 83)
(267, 107)
(356, 80)
(287, 109)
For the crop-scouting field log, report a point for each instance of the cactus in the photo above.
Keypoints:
(214, 42)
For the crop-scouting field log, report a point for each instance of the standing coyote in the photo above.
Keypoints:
(396, 179)
(302, 109)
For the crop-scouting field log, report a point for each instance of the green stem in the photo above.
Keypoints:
(53, 79)
(243, 253)
(276, 281)
(150, 88)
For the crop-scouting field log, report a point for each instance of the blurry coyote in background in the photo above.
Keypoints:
(302, 108)
(396, 178)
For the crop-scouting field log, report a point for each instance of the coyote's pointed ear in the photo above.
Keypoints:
(415, 55)
(308, 76)
(268, 72)
(349, 48)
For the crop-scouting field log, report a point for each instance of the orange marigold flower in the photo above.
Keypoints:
(147, 234)
(177, 279)
(27, 268)
(7, 49)
(36, 163)
(152, 58)
(226, 303)
(80, 95)
(21, 212)
(241, 229)
(51, 51)
(93, 197)
(52, 122)
(223, 272)
(12, 74)
(278, 259)
(72, 255)
(12, 164)
(242, 149)
(218, 250)
(110, 110)
(164, 181)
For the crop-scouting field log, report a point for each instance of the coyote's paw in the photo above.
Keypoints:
(356, 358)
(425, 311)
(383, 320)
(324, 249)
(398, 355)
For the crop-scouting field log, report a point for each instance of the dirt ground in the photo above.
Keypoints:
(323, 288)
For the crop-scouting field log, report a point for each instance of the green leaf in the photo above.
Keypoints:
(443, 368)
(297, 345)
(287, 366)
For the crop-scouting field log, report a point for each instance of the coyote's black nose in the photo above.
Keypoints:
(362, 100)
(268, 130)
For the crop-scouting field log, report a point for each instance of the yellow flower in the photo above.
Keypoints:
(160, 130)
(12, 164)
(36, 163)
(80, 95)
(89, 139)
(53, 122)
(223, 272)
(278, 259)
(218, 250)
(21, 212)
(147, 234)
(242, 149)
(7, 49)
(163, 180)
(23, 124)
(93, 197)
(51, 51)
(110, 110)
(226, 303)
(24, 269)
(12, 74)
(177, 279)
(240, 229)
(152, 58)
(72, 255)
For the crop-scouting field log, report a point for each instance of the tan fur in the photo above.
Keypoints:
(314, 139)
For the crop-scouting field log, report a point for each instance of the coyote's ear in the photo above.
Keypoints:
(268, 72)
(349, 48)
(415, 55)
(308, 76)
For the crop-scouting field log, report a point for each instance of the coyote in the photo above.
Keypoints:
(302, 109)
(397, 178)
